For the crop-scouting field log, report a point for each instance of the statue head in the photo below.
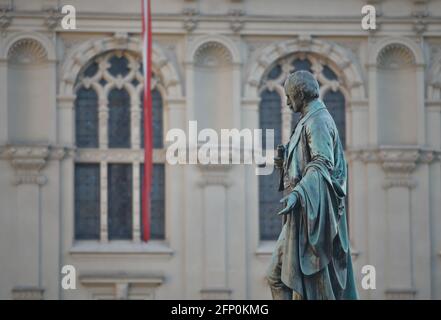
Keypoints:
(300, 88)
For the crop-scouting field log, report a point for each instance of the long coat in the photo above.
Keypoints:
(316, 251)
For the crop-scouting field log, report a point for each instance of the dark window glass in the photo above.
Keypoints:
(91, 70)
(157, 209)
(335, 102)
(275, 72)
(158, 142)
(119, 201)
(328, 73)
(302, 64)
(270, 116)
(103, 82)
(135, 82)
(118, 66)
(87, 201)
(119, 119)
(270, 223)
(86, 118)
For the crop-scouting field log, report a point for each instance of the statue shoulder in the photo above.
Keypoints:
(322, 119)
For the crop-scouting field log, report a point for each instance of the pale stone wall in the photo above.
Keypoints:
(212, 247)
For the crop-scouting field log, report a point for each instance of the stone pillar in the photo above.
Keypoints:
(3, 101)
(398, 166)
(28, 161)
(214, 184)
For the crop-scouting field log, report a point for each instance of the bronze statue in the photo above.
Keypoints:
(312, 257)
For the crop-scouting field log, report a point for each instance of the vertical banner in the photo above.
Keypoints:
(148, 139)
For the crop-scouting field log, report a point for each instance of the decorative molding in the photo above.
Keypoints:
(190, 22)
(399, 160)
(121, 286)
(212, 54)
(236, 23)
(395, 56)
(398, 163)
(27, 51)
(153, 249)
(27, 293)
(213, 174)
(53, 16)
(117, 155)
(420, 13)
(406, 46)
(336, 54)
(29, 161)
(14, 38)
(216, 294)
(103, 81)
(397, 182)
(5, 16)
(197, 44)
(408, 156)
(66, 102)
(84, 52)
(400, 294)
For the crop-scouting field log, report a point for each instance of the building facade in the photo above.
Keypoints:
(71, 146)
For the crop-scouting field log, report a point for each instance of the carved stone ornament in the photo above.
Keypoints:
(398, 163)
(190, 21)
(29, 161)
(5, 16)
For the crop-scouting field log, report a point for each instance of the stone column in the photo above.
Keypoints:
(28, 161)
(3, 101)
(398, 165)
(214, 184)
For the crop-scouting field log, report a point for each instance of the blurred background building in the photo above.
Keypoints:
(71, 147)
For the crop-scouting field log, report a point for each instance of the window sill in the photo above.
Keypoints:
(265, 248)
(152, 248)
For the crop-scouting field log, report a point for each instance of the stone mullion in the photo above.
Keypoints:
(104, 234)
(135, 122)
(103, 112)
(136, 195)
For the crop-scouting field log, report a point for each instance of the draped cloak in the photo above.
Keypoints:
(316, 261)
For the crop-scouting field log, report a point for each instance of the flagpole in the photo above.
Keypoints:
(148, 139)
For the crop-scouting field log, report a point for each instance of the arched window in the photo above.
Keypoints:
(119, 118)
(86, 119)
(109, 160)
(272, 115)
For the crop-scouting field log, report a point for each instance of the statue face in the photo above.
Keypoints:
(293, 101)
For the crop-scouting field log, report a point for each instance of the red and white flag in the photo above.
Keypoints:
(148, 139)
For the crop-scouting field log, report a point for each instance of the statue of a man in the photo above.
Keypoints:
(312, 257)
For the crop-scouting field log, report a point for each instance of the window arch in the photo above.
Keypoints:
(109, 160)
(273, 115)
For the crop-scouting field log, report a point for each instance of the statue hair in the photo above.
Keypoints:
(303, 81)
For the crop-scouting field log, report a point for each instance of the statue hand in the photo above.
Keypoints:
(278, 162)
(291, 201)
